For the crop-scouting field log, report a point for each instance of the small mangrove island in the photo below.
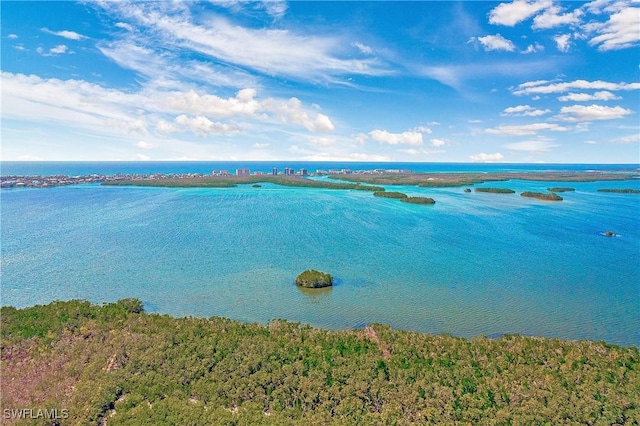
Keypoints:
(561, 189)
(418, 200)
(389, 194)
(314, 279)
(496, 190)
(551, 196)
(621, 191)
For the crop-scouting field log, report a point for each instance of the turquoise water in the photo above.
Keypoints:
(473, 264)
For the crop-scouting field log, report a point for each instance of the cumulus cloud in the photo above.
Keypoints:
(486, 158)
(71, 35)
(495, 42)
(620, 31)
(203, 127)
(526, 129)
(585, 97)
(553, 17)
(592, 112)
(563, 42)
(510, 14)
(77, 103)
(404, 138)
(12, 36)
(533, 48)
(57, 50)
(524, 111)
(438, 142)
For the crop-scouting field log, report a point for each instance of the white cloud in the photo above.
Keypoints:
(71, 35)
(496, 42)
(57, 50)
(145, 145)
(12, 36)
(142, 157)
(531, 146)
(438, 142)
(323, 142)
(61, 48)
(524, 111)
(124, 26)
(533, 48)
(584, 97)
(526, 129)
(545, 87)
(269, 51)
(553, 17)
(422, 129)
(367, 50)
(592, 112)
(292, 112)
(563, 42)
(355, 156)
(620, 31)
(203, 127)
(510, 14)
(77, 103)
(422, 151)
(628, 139)
(260, 145)
(404, 138)
(361, 138)
(486, 158)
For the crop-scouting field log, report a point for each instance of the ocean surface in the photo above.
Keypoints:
(473, 264)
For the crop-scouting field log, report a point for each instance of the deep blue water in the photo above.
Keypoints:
(473, 264)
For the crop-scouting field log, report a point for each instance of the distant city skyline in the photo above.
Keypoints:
(523, 81)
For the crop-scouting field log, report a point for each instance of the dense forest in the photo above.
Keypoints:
(114, 364)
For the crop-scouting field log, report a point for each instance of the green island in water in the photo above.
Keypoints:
(115, 364)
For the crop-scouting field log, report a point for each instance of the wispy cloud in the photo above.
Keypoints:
(546, 87)
(585, 97)
(526, 129)
(592, 112)
(495, 42)
(267, 51)
(404, 138)
(531, 146)
(71, 35)
(524, 111)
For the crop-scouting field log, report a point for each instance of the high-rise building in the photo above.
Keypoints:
(303, 172)
(274, 171)
(242, 172)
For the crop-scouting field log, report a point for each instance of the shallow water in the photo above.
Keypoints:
(473, 264)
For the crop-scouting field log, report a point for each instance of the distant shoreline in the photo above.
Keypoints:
(298, 178)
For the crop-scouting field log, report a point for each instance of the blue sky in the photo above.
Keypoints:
(440, 81)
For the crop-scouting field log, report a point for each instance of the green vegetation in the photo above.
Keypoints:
(439, 180)
(117, 365)
(418, 200)
(256, 185)
(389, 194)
(232, 181)
(561, 189)
(467, 190)
(496, 190)
(314, 279)
(542, 196)
(621, 191)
